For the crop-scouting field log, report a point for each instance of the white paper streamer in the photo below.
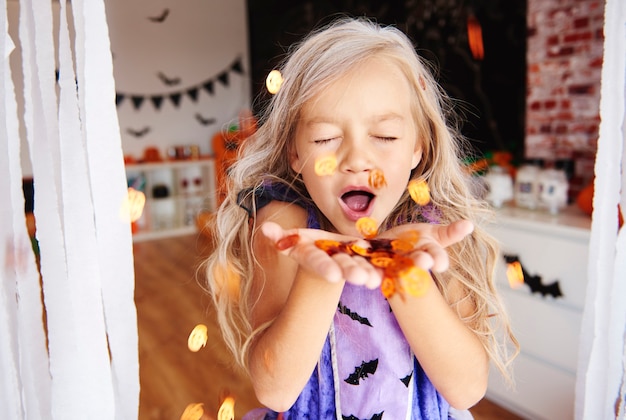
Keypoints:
(91, 366)
(109, 185)
(601, 354)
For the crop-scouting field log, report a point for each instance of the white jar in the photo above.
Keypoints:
(553, 188)
(527, 186)
(499, 185)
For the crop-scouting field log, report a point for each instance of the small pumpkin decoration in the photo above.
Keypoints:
(584, 201)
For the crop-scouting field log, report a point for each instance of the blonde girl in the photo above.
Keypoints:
(314, 331)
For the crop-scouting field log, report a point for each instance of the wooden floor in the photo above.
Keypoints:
(170, 303)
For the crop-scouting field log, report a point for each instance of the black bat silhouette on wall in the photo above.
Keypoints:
(161, 18)
(355, 316)
(534, 281)
(169, 81)
(362, 371)
(204, 121)
(138, 133)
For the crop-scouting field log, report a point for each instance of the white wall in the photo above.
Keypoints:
(195, 43)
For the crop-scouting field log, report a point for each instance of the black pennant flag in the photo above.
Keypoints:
(157, 101)
(175, 98)
(137, 101)
(223, 78)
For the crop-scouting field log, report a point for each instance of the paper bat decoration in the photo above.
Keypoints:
(204, 121)
(362, 371)
(169, 81)
(161, 18)
(355, 316)
(378, 416)
(138, 133)
(535, 281)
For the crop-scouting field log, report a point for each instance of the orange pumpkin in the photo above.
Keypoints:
(584, 201)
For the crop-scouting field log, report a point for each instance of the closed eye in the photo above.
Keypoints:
(385, 138)
(324, 141)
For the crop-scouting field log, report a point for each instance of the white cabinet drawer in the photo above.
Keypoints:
(545, 331)
(541, 392)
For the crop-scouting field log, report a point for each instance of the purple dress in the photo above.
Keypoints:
(366, 369)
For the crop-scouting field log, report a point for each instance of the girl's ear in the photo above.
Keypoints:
(417, 157)
(294, 160)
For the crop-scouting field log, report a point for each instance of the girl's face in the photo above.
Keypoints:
(364, 120)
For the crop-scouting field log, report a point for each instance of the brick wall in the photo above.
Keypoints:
(564, 63)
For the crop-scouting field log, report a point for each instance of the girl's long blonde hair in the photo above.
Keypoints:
(312, 65)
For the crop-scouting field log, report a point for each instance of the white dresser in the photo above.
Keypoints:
(554, 248)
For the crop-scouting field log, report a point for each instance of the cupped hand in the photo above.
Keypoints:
(299, 244)
(432, 240)
(429, 243)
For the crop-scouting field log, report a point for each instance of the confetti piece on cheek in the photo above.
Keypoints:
(198, 338)
(367, 227)
(287, 242)
(193, 411)
(377, 179)
(325, 165)
(419, 191)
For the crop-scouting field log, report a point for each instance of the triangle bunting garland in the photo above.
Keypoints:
(192, 92)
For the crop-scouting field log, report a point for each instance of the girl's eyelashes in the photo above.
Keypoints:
(324, 141)
(386, 138)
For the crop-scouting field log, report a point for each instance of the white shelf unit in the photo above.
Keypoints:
(554, 247)
(176, 191)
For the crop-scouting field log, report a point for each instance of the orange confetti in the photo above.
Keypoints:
(325, 165)
(367, 227)
(132, 205)
(415, 281)
(388, 287)
(198, 338)
(274, 81)
(193, 411)
(227, 409)
(400, 274)
(377, 179)
(419, 191)
(287, 242)
(514, 274)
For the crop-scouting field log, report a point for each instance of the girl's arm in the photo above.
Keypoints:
(298, 303)
(450, 353)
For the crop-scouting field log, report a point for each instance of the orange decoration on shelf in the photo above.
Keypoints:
(419, 191)
(325, 165)
(367, 227)
(377, 179)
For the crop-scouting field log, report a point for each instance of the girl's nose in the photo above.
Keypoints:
(355, 156)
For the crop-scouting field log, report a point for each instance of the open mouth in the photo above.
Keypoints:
(357, 203)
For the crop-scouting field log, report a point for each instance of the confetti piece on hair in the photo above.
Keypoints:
(287, 242)
(367, 227)
(274, 81)
(325, 165)
(419, 191)
(198, 337)
(193, 411)
(377, 178)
